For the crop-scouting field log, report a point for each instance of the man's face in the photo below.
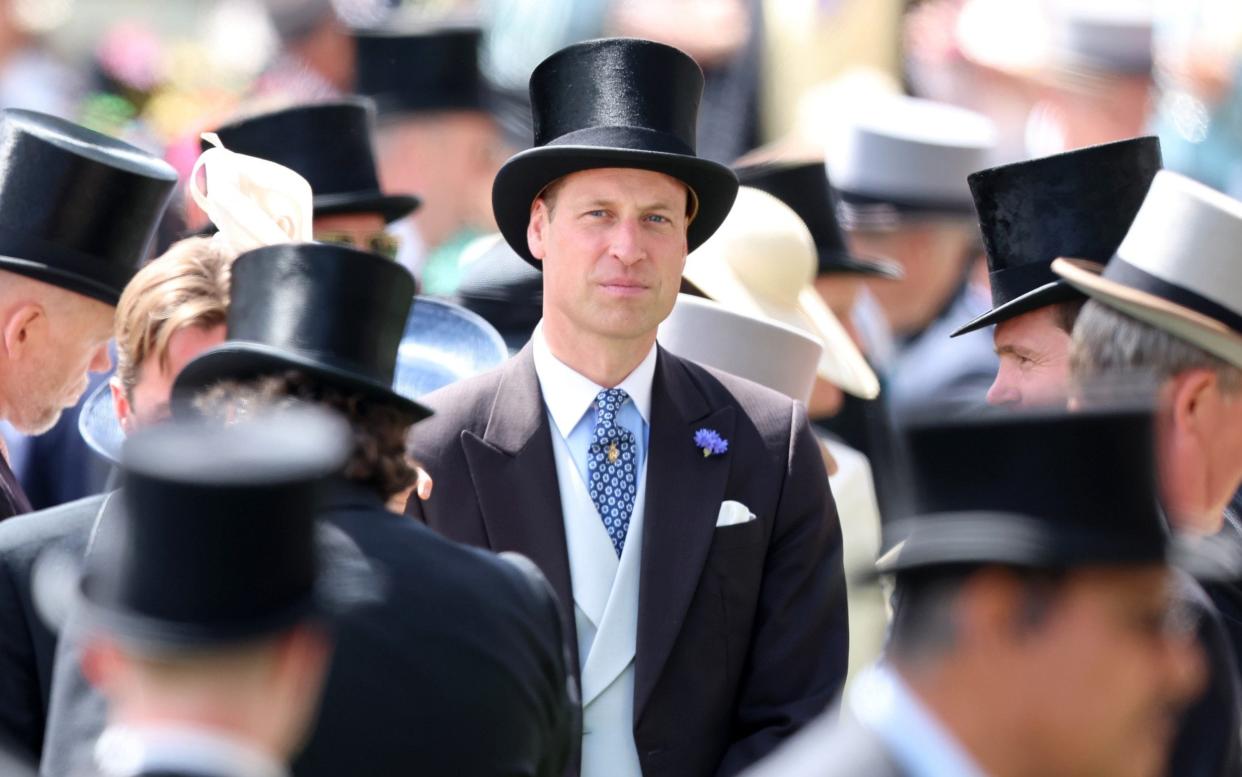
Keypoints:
(64, 345)
(1199, 442)
(613, 246)
(1034, 360)
(934, 256)
(1103, 677)
(363, 231)
(148, 403)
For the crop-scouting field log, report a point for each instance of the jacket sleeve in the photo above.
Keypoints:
(800, 644)
(21, 700)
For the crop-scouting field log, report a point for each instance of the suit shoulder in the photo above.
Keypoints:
(26, 535)
(768, 409)
(465, 404)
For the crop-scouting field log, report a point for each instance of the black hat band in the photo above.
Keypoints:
(51, 259)
(1121, 271)
(1009, 283)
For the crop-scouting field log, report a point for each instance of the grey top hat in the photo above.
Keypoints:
(1178, 268)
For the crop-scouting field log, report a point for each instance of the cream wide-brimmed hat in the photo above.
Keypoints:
(1179, 268)
(762, 261)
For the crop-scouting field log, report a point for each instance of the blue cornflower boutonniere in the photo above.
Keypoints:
(711, 443)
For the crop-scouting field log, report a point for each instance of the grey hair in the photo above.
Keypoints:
(1107, 342)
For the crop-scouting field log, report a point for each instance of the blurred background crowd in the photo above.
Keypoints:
(782, 78)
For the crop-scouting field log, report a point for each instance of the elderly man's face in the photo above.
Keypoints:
(148, 403)
(62, 345)
(1105, 672)
(613, 246)
(1034, 360)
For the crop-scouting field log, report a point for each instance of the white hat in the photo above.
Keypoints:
(762, 262)
(895, 156)
(772, 354)
(1179, 267)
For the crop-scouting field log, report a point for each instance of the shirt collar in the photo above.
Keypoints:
(882, 702)
(569, 394)
(123, 751)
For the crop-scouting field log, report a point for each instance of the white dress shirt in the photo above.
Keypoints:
(126, 751)
(605, 587)
(882, 702)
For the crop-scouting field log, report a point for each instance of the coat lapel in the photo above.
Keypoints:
(684, 492)
(514, 474)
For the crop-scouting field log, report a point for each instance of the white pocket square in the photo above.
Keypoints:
(733, 512)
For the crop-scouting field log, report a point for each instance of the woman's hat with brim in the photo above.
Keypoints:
(1079, 203)
(444, 343)
(1177, 268)
(200, 498)
(782, 357)
(330, 144)
(804, 187)
(331, 312)
(617, 102)
(762, 262)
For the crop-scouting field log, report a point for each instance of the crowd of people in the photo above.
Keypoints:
(415, 423)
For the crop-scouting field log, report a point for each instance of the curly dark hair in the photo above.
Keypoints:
(379, 458)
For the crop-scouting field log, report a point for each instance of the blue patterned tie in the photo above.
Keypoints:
(612, 475)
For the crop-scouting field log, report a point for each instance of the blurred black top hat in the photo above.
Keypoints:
(804, 187)
(332, 312)
(1079, 203)
(505, 290)
(1046, 489)
(327, 143)
(415, 72)
(617, 102)
(213, 536)
(77, 209)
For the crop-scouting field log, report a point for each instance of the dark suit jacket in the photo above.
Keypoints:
(460, 668)
(27, 644)
(742, 634)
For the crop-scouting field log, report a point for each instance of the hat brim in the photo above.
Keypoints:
(99, 427)
(528, 173)
(239, 360)
(1048, 294)
(346, 580)
(833, 262)
(69, 281)
(390, 207)
(841, 363)
(1010, 539)
(444, 343)
(1207, 333)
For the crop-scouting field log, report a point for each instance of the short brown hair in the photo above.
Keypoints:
(186, 286)
(378, 460)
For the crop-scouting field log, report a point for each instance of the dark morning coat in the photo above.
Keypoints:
(742, 634)
(460, 668)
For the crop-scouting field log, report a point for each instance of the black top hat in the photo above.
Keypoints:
(434, 70)
(77, 209)
(617, 102)
(332, 312)
(1047, 489)
(803, 186)
(1079, 203)
(213, 538)
(330, 145)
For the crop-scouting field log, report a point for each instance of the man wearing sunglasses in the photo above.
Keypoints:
(330, 144)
